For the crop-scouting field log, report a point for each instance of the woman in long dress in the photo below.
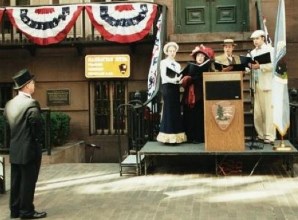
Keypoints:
(193, 103)
(171, 127)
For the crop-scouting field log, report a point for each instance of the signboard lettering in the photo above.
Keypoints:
(107, 66)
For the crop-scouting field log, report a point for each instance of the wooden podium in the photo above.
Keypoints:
(223, 110)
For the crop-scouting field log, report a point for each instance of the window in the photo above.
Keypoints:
(97, 0)
(14, 2)
(6, 93)
(107, 96)
(23, 2)
(40, 2)
(6, 27)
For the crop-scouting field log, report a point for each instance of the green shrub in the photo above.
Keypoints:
(60, 128)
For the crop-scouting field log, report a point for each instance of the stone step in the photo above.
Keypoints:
(217, 37)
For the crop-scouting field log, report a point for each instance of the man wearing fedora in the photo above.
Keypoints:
(25, 122)
(228, 58)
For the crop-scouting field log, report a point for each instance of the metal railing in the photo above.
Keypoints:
(2, 175)
(150, 108)
(82, 34)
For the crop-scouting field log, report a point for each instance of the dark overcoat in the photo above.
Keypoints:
(25, 123)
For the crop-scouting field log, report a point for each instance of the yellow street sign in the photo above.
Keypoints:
(107, 66)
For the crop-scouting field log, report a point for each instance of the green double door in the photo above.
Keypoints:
(198, 16)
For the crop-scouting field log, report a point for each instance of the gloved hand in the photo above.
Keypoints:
(186, 81)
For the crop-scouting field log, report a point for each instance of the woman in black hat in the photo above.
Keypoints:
(25, 122)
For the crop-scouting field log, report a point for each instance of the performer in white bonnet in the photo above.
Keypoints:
(171, 127)
(263, 75)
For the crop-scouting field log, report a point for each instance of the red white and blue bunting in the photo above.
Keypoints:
(156, 54)
(122, 23)
(1, 13)
(44, 25)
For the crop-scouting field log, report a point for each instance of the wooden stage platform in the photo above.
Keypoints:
(153, 148)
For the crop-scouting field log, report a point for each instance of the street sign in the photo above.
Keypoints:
(107, 66)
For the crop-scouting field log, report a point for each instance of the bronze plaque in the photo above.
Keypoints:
(57, 97)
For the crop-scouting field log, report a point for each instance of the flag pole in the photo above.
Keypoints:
(282, 146)
(280, 97)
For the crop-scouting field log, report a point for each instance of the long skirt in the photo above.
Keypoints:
(193, 119)
(171, 127)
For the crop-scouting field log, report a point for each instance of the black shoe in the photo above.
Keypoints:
(259, 140)
(35, 215)
(14, 215)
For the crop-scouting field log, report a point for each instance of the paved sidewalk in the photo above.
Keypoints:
(96, 191)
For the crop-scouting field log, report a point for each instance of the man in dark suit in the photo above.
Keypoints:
(25, 122)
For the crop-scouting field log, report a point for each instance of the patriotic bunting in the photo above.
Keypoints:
(156, 54)
(44, 25)
(122, 23)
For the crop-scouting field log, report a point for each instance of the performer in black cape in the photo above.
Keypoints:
(193, 103)
(171, 127)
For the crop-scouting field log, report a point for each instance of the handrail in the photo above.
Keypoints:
(136, 131)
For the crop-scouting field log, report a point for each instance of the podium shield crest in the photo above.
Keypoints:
(223, 112)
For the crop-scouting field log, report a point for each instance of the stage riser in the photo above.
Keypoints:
(198, 157)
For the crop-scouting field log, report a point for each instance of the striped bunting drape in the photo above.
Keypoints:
(44, 25)
(122, 23)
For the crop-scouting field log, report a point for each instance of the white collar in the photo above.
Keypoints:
(25, 94)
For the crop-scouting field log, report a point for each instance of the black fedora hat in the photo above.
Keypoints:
(21, 78)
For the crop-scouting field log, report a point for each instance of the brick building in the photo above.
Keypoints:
(92, 101)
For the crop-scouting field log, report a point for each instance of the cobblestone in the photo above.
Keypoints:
(96, 191)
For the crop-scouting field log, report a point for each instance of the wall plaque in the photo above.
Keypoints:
(58, 97)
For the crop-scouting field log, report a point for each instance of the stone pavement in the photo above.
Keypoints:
(96, 191)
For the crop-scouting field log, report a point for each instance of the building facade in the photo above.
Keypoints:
(92, 102)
